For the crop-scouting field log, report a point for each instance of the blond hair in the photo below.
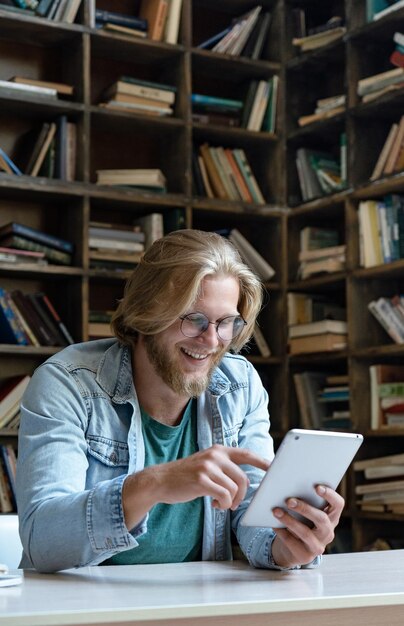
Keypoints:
(167, 281)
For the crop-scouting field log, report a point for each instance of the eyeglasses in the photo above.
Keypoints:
(195, 324)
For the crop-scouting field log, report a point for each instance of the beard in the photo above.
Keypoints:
(167, 367)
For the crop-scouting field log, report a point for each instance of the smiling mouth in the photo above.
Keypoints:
(195, 355)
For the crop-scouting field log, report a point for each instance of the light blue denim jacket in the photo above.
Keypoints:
(80, 436)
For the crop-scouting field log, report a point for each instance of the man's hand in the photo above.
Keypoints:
(214, 472)
(297, 544)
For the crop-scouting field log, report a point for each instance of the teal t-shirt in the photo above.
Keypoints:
(174, 531)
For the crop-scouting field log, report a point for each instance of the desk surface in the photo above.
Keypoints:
(212, 591)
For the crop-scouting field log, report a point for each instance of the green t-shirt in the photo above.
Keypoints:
(174, 531)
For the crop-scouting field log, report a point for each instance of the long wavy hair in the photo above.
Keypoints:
(167, 281)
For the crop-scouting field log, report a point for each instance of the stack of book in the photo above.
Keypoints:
(31, 320)
(260, 108)
(397, 56)
(386, 396)
(22, 237)
(389, 312)
(99, 324)
(225, 173)
(381, 230)
(325, 108)
(213, 110)
(112, 246)
(372, 87)
(320, 252)
(320, 336)
(323, 400)
(151, 179)
(11, 392)
(132, 95)
(21, 257)
(391, 157)
(382, 490)
(8, 467)
(319, 173)
(120, 23)
(152, 225)
(377, 9)
(318, 36)
(245, 35)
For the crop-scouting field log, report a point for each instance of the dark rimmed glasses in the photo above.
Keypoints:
(228, 328)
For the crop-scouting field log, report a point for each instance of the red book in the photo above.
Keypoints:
(397, 58)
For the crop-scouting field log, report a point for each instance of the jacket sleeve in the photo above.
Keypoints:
(63, 522)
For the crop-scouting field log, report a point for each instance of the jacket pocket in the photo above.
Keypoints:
(110, 452)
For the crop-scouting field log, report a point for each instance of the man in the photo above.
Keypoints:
(147, 448)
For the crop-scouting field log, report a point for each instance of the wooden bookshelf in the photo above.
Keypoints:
(336, 68)
(91, 59)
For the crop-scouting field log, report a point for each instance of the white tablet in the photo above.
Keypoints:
(304, 459)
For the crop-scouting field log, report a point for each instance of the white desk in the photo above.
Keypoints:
(346, 590)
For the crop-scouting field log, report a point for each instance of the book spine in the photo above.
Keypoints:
(9, 329)
(57, 319)
(52, 331)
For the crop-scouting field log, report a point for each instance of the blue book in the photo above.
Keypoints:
(209, 43)
(147, 83)
(212, 100)
(10, 331)
(14, 228)
(10, 163)
(121, 19)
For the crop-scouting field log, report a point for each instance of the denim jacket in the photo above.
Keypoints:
(81, 435)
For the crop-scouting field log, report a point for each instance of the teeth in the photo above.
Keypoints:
(195, 355)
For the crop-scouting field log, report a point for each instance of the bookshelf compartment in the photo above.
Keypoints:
(131, 146)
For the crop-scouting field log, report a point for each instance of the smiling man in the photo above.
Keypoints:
(148, 447)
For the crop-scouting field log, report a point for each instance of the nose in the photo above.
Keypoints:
(210, 335)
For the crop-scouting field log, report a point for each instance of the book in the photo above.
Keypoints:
(152, 177)
(251, 256)
(131, 86)
(380, 373)
(11, 331)
(398, 4)
(11, 392)
(124, 30)
(173, 21)
(143, 109)
(202, 100)
(121, 19)
(61, 88)
(40, 151)
(317, 40)
(318, 328)
(307, 386)
(261, 342)
(395, 148)
(245, 168)
(322, 252)
(31, 90)
(101, 243)
(153, 227)
(10, 165)
(379, 81)
(256, 43)
(389, 319)
(154, 12)
(213, 174)
(397, 58)
(99, 329)
(16, 228)
(50, 310)
(108, 231)
(322, 266)
(384, 153)
(59, 257)
(326, 342)
(259, 106)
